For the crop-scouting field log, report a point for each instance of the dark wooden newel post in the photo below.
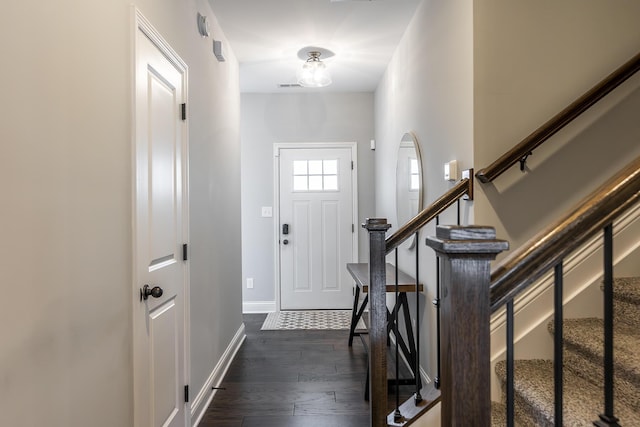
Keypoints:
(466, 253)
(377, 228)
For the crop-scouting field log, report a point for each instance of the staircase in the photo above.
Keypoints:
(463, 342)
(583, 373)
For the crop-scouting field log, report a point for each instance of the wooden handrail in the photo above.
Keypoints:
(560, 120)
(546, 249)
(464, 186)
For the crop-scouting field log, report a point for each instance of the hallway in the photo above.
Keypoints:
(293, 379)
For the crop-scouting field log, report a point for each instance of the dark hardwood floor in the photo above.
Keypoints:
(294, 379)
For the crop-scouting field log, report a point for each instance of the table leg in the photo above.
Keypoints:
(411, 357)
(357, 315)
(354, 315)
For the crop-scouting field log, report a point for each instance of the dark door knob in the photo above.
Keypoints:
(146, 290)
(285, 242)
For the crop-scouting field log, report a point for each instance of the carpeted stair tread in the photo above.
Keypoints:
(627, 289)
(626, 392)
(627, 301)
(586, 337)
(499, 417)
(582, 400)
(584, 356)
(498, 414)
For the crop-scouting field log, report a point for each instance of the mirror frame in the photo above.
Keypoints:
(410, 138)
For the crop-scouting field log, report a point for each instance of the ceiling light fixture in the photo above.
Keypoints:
(314, 72)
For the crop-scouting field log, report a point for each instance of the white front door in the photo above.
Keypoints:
(160, 230)
(316, 227)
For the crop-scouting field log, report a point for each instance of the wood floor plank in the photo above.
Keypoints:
(336, 408)
(312, 377)
(227, 409)
(251, 397)
(218, 420)
(284, 368)
(308, 421)
(262, 376)
(303, 387)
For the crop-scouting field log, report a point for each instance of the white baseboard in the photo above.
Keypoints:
(258, 307)
(205, 396)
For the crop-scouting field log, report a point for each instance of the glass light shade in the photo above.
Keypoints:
(314, 74)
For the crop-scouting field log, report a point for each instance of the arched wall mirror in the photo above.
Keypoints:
(408, 181)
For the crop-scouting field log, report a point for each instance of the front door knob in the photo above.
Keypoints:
(146, 290)
(285, 242)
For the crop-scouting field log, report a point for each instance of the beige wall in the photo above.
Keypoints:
(65, 159)
(531, 59)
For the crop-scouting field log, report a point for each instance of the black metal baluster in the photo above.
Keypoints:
(436, 303)
(558, 344)
(608, 418)
(510, 366)
(397, 416)
(418, 396)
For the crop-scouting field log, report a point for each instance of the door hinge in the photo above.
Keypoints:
(186, 394)
(184, 252)
(183, 111)
(353, 228)
(351, 164)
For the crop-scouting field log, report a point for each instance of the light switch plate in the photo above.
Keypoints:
(451, 171)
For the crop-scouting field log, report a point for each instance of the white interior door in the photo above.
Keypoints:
(160, 231)
(316, 225)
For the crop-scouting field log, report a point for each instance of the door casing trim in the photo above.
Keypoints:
(277, 147)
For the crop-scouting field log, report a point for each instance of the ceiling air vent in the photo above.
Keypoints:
(286, 85)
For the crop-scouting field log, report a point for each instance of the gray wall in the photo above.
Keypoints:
(267, 119)
(66, 161)
(427, 89)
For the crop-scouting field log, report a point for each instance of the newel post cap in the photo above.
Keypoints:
(376, 224)
(456, 240)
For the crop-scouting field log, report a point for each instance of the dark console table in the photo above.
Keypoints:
(406, 283)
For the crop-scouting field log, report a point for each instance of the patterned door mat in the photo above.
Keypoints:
(309, 319)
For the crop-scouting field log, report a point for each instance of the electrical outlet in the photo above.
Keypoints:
(267, 212)
(250, 283)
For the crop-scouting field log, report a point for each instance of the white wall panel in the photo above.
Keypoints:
(331, 268)
(302, 268)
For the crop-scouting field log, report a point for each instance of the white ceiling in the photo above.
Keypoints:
(266, 35)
